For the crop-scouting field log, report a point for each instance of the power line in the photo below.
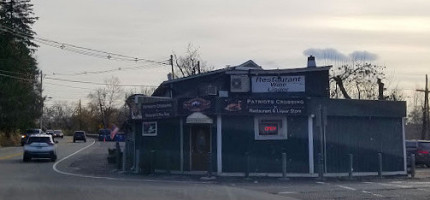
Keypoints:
(95, 83)
(11, 72)
(68, 86)
(79, 49)
(74, 81)
(102, 71)
(18, 78)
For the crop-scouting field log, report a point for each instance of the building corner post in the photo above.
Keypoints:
(219, 144)
(311, 144)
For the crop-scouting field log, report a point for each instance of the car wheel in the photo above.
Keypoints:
(74, 140)
(85, 140)
(53, 158)
(62, 136)
(26, 158)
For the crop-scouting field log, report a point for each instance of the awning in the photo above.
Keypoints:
(198, 118)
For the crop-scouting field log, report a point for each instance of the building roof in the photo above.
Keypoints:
(279, 71)
(248, 67)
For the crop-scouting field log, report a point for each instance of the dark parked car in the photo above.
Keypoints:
(104, 135)
(79, 135)
(50, 132)
(120, 137)
(28, 132)
(58, 133)
(421, 149)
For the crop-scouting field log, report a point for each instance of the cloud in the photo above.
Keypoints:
(335, 55)
(328, 53)
(363, 56)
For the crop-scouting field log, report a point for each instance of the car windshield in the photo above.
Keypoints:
(32, 131)
(57, 131)
(104, 132)
(39, 140)
(424, 145)
(411, 144)
(79, 133)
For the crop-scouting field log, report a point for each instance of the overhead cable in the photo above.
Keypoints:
(79, 49)
(95, 83)
(74, 81)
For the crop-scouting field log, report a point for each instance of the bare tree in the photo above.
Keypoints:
(357, 80)
(191, 63)
(58, 116)
(107, 100)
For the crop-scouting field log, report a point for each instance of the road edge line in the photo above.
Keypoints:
(54, 167)
(11, 156)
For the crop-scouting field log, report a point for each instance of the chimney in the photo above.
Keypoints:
(311, 62)
(169, 76)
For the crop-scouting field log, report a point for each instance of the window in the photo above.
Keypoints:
(270, 128)
(39, 140)
(149, 129)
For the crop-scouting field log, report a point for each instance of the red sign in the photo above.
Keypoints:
(270, 128)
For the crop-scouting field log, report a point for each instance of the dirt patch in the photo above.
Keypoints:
(14, 140)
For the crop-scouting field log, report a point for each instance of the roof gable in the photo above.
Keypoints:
(248, 65)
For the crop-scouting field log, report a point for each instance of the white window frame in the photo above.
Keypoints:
(149, 134)
(282, 131)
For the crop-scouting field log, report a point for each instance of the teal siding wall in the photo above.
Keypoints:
(166, 147)
(265, 155)
(364, 137)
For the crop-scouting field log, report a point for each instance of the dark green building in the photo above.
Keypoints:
(245, 117)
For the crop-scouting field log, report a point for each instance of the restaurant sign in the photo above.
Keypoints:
(283, 84)
(198, 104)
(291, 106)
(157, 110)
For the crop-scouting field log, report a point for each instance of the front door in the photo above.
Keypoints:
(200, 147)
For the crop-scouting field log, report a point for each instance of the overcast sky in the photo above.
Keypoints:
(273, 33)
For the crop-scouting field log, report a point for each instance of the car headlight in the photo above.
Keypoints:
(22, 136)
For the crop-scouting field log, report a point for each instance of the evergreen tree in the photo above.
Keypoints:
(20, 92)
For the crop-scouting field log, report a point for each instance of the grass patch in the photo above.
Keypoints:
(14, 140)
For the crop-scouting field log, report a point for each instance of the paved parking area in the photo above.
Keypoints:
(93, 162)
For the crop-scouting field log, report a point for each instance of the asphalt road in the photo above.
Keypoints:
(71, 178)
(37, 180)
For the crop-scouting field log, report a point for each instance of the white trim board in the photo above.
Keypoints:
(219, 143)
(299, 175)
(366, 174)
(312, 175)
(311, 144)
(181, 136)
(404, 144)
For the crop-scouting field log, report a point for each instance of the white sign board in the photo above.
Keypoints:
(265, 84)
(149, 129)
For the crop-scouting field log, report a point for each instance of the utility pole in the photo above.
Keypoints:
(101, 110)
(198, 67)
(41, 98)
(171, 64)
(80, 117)
(380, 89)
(424, 131)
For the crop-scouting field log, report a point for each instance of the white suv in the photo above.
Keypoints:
(40, 146)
